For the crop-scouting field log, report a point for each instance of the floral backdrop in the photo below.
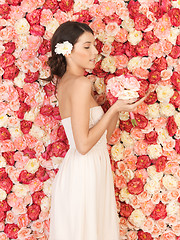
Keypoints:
(141, 38)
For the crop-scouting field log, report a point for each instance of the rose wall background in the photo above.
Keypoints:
(137, 37)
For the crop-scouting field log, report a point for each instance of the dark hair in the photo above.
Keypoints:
(69, 31)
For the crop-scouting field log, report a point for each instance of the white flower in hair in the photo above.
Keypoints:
(64, 48)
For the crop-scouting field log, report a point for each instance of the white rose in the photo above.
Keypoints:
(127, 140)
(56, 161)
(163, 135)
(134, 63)
(154, 151)
(39, 97)
(2, 162)
(108, 64)
(153, 111)
(22, 26)
(3, 120)
(103, 37)
(152, 186)
(153, 174)
(175, 4)
(37, 132)
(21, 190)
(47, 187)
(32, 114)
(137, 218)
(135, 37)
(177, 118)
(15, 132)
(32, 165)
(3, 195)
(44, 73)
(174, 32)
(123, 116)
(124, 195)
(167, 109)
(128, 24)
(172, 208)
(52, 26)
(117, 151)
(45, 204)
(99, 85)
(170, 182)
(19, 80)
(164, 93)
(81, 5)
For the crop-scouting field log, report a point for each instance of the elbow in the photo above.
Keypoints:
(82, 149)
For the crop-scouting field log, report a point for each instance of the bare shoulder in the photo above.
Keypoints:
(81, 83)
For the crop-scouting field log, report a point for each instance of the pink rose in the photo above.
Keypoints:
(150, 37)
(22, 94)
(175, 52)
(66, 5)
(37, 197)
(52, 5)
(133, 8)
(30, 153)
(49, 89)
(9, 156)
(141, 22)
(46, 110)
(117, 48)
(14, 2)
(151, 137)
(11, 72)
(161, 163)
(12, 230)
(142, 48)
(37, 30)
(9, 47)
(6, 184)
(33, 211)
(174, 15)
(34, 17)
(4, 133)
(175, 79)
(22, 110)
(159, 64)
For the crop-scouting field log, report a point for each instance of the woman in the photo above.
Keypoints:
(83, 205)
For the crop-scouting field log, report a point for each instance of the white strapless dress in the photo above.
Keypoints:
(83, 205)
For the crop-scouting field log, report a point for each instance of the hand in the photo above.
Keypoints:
(131, 104)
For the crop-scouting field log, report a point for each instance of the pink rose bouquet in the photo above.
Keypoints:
(124, 87)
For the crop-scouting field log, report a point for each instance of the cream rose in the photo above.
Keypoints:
(167, 109)
(21, 190)
(117, 151)
(3, 120)
(170, 182)
(133, 63)
(3, 195)
(172, 208)
(19, 80)
(15, 132)
(123, 116)
(128, 24)
(163, 135)
(32, 165)
(22, 26)
(164, 93)
(47, 187)
(127, 140)
(153, 111)
(152, 186)
(124, 195)
(137, 218)
(153, 174)
(99, 85)
(31, 115)
(2, 162)
(135, 37)
(108, 64)
(154, 151)
(45, 204)
(177, 118)
(52, 26)
(174, 32)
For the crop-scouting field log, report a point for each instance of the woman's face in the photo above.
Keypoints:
(84, 51)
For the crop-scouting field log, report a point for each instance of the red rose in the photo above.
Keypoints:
(4, 9)
(9, 47)
(125, 210)
(99, 45)
(144, 235)
(144, 86)
(52, 5)
(111, 19)
(166, 5)
(2, 216)
(3, 174)
(25, 126)
(6, 60)
(177, 146)
(14, 2)
(152, 98)
(11, 72)
(117, 48)
(151, 137)
(133, 7)
(47, 154)
(175, 79)
(154, 77)
(142, 48)
(171, 126)
(37, 197)
(122, 71)
(9, 156)
(66, 5)
(175, 99)
(23, 108)
(174, 15)
(135, 186)
(130, 50)
(141, 22)
(31, 77)
(98, 70)
(22, 94)
(59, 149)
(4, 133)
(143, 161)
(159, 211)
(159, 64)
(37, 30)
(178, 40)
(4, 206)
(30, 153)
(150, 37)
(25, 177)
(34, 17)
(56, 113)
(11, 230)
(49, 89)
(126, 125)
(33, 211)
(6, 184)
(61, 134)
(175, 52)
(111, 99)
(141, 120)
(42, 174)
(46, 110)
(156, 9)
(44, 47)
(161, 163)
(84, 16)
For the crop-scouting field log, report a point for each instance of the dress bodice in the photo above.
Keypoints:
(95, 115)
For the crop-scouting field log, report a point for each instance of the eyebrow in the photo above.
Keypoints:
(86, 42)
